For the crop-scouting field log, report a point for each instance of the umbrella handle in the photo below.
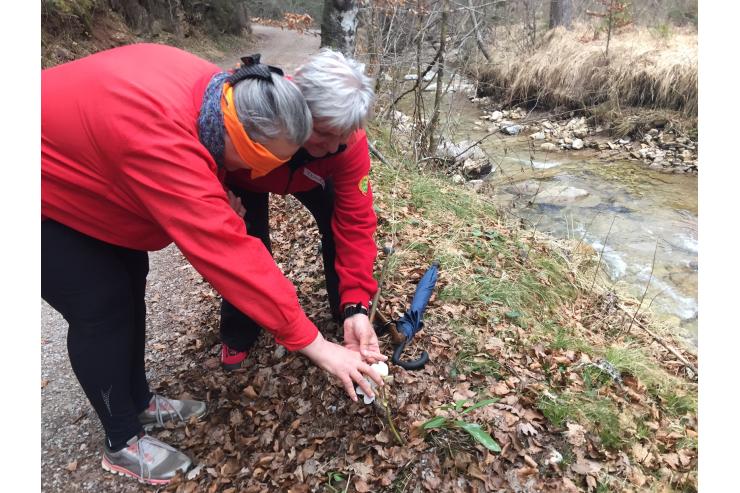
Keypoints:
(416, 364)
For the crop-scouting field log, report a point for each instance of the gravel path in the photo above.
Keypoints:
(71, 435)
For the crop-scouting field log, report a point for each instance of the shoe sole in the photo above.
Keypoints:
(122, 471)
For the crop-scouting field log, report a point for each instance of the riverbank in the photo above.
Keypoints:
(531, 328)
(638, 101)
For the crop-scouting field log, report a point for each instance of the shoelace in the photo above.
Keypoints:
(158, 410)
(149, 442)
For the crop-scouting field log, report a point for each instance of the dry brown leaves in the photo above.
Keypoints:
(280, 425)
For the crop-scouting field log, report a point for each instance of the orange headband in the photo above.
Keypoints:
(255, 155)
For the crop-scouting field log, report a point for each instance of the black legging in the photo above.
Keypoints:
(99, 289)
(241, 332)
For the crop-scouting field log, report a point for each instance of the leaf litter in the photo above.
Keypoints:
(280, 425)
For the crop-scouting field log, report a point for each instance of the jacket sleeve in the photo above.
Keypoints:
(172, 180)
(354, 223)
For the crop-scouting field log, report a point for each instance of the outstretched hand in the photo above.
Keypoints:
(360, 336)
(344, 364)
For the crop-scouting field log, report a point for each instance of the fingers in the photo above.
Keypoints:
(373, 356)
(349, 387)
(362, 382)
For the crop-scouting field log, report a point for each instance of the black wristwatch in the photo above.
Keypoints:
(350, 310)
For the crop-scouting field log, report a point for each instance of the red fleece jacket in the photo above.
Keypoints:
(121, 161)
(353, 222)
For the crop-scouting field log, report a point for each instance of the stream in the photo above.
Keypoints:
(621, 207)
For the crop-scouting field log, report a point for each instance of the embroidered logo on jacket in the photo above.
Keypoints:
(363, 184)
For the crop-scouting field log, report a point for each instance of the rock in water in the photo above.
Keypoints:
(560, 195)
(512, 129)
(577, 144)
(549, 147)
(475, 168)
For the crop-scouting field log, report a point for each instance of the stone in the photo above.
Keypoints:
(512, 129)
(547, 125)
(577, 144)
(528, 187)
(458, 179)
(475, 168)
(580, 132)
(538, 136)
(560, 195)
(459, 152)
(549, 147)
(475, 185)
(624, 141)
(496, 116)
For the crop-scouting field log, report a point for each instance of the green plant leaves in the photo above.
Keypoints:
(480, 435)
(438, 422)
(480, 404)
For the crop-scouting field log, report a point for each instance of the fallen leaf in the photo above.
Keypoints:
(212, 363)
(585, 466)
(72, 466)
(361, 486)
(250, 392)
(44, 383)
(231, 467)
(576, 434)
(670, 459)
(305, 454)
(500, 388)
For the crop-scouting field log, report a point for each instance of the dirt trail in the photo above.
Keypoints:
(71, 434)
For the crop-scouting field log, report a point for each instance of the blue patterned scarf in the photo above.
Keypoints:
(211, 121)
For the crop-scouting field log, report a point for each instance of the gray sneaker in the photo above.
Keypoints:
(161, 410)
(146, 459)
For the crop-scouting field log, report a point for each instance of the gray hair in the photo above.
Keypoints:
(337, 90)
(273, 110)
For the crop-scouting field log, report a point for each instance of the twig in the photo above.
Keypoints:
(375, 152)
(660, 341)
(389, 418)
(652, 269)
(601, 254)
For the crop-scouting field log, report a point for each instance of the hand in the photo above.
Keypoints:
(359, 336)
(345, 365)
(236, 203)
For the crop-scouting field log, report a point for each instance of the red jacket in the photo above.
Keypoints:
(121, 161)
(354, 220)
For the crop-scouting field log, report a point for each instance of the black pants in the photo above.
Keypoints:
(99, 289)
(239, 331)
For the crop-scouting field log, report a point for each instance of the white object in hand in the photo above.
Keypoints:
(382, 370)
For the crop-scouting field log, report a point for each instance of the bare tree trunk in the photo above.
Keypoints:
(561, 13)
(339, 25)
(440, 79)
(478, 37)
(610, 22)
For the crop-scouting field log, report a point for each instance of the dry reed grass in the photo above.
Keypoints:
(570, 69)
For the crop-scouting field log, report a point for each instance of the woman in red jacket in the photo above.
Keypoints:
(329, 175)
(135, 143)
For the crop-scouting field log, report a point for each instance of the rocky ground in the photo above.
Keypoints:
(660, 148)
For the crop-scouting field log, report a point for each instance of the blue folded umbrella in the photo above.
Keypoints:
(412, 320)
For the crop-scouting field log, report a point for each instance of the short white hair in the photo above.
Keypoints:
(270, 110)
(337, 91)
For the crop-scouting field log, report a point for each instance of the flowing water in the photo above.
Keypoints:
(620, 207)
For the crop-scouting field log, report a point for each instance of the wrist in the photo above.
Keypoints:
(352, 309)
